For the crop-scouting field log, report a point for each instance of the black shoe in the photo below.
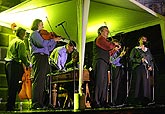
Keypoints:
(51, 107)
(97, 106)
(43, 108)
(36, 106)
(12, 109)
(119, 106)
(107, 106)
(151, 103)
(9, 109)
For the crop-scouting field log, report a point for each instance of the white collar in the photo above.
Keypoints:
(138, 47)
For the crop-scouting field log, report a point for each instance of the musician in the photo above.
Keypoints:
(118, 74)
(59, 56)
(40, 49)
(142, 65)
(101, 48)
(58, 60)
(74, 62)
(15, 58)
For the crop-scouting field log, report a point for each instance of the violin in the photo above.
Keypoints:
(48, 35)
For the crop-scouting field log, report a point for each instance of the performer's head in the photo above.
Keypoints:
(103, 30)
(143, 41)
(117, 44)
(37, 25)
(20, 33)
(71, 46)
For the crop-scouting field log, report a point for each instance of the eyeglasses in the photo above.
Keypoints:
(117, 46)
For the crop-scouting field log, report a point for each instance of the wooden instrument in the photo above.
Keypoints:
(68, 76)
(47, 35)
(26, 89)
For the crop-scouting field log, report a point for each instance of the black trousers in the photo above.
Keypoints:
(119, 85)
(40, 69)
(14, 72)
(141, 86)
(100, 82)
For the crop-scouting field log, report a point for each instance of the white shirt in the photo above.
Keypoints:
(59, 56)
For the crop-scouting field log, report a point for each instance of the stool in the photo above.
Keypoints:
(62, 93)
(60, 97)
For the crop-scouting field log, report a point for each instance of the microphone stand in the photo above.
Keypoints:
(74, 68)
(111, 82)
(153, 88)
(65, 31)
(153, 76)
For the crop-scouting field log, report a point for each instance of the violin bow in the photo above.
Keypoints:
(49, 24)
(109, 32)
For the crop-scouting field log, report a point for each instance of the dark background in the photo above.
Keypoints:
(129, 40)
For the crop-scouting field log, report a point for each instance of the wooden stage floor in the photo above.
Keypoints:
(154, 109)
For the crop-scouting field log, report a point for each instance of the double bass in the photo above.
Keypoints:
(26, 90)
(26, 83)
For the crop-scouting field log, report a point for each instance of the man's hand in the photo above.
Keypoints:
(58, 38)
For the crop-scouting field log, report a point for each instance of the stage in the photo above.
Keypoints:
(154, 109)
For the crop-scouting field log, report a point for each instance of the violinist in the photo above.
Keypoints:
(101, 48)
(40, 49)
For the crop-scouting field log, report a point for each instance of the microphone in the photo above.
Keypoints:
(146, 43)
(60, 24)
